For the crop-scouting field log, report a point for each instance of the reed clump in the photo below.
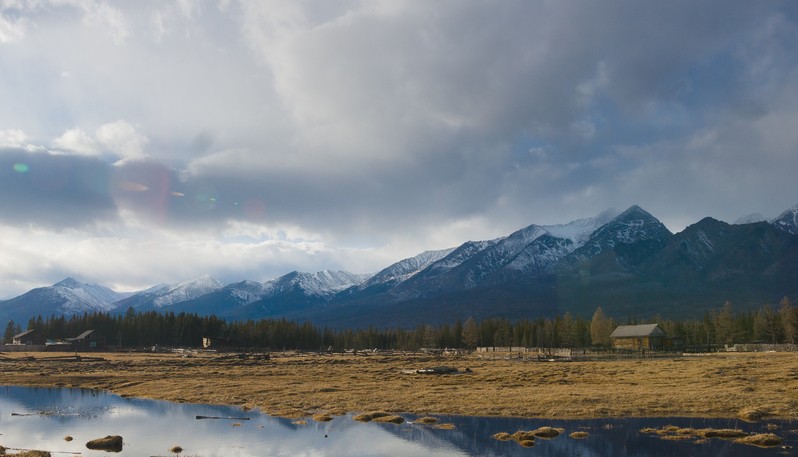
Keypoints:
(368, 417)
(547, 432)
(389, 419)
(760, 440)
(426, 420)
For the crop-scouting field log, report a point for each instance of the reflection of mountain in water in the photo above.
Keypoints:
(152, 427)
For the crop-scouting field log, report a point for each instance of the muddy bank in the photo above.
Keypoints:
(723, 385)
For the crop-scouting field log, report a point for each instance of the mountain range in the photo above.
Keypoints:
(627, 262)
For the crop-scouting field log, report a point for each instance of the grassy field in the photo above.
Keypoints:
(721, 385)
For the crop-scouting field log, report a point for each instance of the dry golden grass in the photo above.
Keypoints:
(579, 435)
(445, 426)
(751, 385)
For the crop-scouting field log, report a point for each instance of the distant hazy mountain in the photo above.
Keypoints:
(626, 262)
(750, 219)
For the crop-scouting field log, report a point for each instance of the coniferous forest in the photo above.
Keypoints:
(768, 324)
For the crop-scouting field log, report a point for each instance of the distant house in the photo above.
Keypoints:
(86, 341)
(28, 338)
(639, 337)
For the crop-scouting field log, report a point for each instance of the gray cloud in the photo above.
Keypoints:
(392, 127)
(53, 190)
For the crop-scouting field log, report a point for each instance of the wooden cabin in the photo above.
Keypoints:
(28, 338)
(647, 337)
(86, 341)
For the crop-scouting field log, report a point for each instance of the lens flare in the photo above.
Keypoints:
(21, 167)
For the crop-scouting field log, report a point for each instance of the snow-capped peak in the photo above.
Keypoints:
(186, 290)
(787, 221)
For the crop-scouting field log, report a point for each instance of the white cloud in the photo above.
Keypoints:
(76, 140)
(121, 138)
(13, 138)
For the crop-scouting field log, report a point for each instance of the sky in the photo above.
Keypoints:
(146, 142)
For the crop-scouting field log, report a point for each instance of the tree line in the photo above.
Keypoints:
(768, 324)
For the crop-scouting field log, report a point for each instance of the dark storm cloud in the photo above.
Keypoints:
(56, 191)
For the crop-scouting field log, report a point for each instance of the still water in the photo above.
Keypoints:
(33, 418)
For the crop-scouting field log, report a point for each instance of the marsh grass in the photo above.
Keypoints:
(426, 420)
(389, 419)
(760, 440)
(707, 386)
(579, 435)
(323, 417)
(547, 432)
(368, 417)
(701, 435)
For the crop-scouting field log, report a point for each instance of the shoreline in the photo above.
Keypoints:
(747, 386)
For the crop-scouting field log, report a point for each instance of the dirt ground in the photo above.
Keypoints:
(719, 385)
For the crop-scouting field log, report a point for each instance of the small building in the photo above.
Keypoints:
(28, 338)
(219, 344)
(645, 337)
(86, 341)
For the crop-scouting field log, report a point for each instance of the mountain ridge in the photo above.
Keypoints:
(627, 262)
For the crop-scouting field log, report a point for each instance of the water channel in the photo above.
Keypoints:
(36, 418)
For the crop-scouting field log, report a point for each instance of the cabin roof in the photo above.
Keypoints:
(26, 332)
(637, 331)
(82, 336)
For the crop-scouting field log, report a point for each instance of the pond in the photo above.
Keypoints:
(35, 418)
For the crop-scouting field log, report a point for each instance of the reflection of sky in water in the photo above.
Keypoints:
(152, 428)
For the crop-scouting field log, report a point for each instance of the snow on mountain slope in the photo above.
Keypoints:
(248, 291)
(633, 225)
(404, 269)
(78, 297)
(787, 221)
(320, 284)
(185, 290)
